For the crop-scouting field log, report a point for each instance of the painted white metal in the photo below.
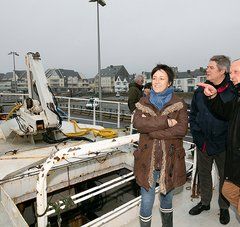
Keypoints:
(116, 212)
(118, 116)
(194, 165)
(7, 127)
(81, 151)
(52, 211)
(214, 172)
(182, 203)
(84, 100)
(29, 80)
(77, 169)
(101, 186)
(215, 175)
(131, 125)
(69, 99)
(34, 65)
(69, 109)
(103, 190)
(94, 112)
(10, 215)
(92, 149)
(13, 94)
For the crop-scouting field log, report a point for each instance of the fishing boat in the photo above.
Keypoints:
(56, 172)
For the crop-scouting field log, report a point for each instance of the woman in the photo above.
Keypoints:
(161, 119)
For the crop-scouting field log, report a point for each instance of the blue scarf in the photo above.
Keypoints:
(160, 99)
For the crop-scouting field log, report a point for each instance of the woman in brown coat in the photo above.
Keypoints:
(161, 119)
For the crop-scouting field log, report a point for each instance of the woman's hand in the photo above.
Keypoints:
(171, 122)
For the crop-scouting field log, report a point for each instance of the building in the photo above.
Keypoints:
(91, 82)
(84, 85)
(22, 82)
(60, 81)
(56, 80)
(113, 79)
(187, 81)
(7, 81)
(147, 77)
(65, 80)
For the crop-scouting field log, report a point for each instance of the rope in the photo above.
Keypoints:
(105, 133)
(15, 108)
(78, 132)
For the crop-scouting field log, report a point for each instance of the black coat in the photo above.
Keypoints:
(206, 127)
(134, 95)
(230, 111)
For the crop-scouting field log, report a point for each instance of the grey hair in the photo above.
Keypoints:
(223, 62)
(238, 59)
(138, 78)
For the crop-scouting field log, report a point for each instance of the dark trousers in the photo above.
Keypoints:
(205, 163)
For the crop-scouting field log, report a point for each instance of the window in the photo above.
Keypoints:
(202, 79)
(190, 81)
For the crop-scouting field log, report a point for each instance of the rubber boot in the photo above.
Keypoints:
(167, 219)
(145, 222)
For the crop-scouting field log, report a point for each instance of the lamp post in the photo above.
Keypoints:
(13, 53)
(102, 3)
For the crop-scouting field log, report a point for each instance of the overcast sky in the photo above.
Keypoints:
(135, 33)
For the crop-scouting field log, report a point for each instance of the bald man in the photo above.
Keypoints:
(230, 111)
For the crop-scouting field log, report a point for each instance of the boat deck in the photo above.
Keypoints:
(5, 219)
(182, 203)
(27, 155)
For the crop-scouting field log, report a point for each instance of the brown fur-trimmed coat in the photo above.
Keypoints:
(157, 136)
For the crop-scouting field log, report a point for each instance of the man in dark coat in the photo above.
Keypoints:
(210, 136)
(135, 92)
(230, 111)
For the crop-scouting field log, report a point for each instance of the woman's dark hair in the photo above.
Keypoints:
(167, 70)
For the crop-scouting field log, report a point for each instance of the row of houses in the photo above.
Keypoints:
(114, 79)
(184, 81)
(187, 81)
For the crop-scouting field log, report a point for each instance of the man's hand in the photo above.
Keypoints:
(209, 90)
(171, 122)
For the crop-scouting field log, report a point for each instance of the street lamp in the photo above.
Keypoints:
(102, 3)
(13, 53)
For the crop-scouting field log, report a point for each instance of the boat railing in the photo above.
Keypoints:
(87, 151)
(113, 112)
(11, 97)
(81, 151)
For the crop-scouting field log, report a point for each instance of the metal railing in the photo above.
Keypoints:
(109, 109)
(9, 97)
(113, 112)
(83, 151)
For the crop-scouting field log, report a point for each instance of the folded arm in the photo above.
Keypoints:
(179, 130)
(145, 123)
